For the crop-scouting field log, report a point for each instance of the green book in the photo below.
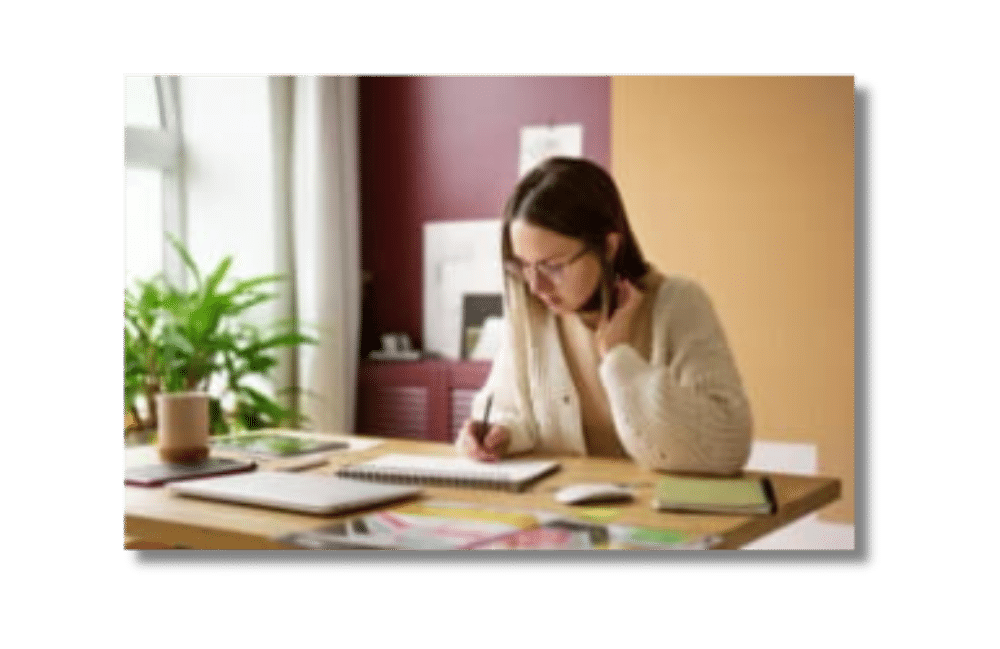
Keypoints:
(743, 495)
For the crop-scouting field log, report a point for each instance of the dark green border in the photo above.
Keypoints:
(81, 332)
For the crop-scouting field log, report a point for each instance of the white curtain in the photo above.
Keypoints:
(315, 128)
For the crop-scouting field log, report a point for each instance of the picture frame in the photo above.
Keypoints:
(476, 309)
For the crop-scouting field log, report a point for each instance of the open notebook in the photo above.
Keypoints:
(302, 492)
(508, 475)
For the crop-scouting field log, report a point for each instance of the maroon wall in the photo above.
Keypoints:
(446, 148)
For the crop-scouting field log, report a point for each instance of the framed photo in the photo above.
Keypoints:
(477, 308)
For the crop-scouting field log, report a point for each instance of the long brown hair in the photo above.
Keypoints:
(577, 198)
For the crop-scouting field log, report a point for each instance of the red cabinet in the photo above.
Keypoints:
(428, 400)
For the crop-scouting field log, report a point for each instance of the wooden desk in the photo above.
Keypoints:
(152, 515)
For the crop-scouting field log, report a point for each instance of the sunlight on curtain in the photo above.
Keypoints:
(323, 231)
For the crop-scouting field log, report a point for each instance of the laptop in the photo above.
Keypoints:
(309, 493)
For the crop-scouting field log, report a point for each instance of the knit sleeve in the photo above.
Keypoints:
(508, 409)
(508, 382)
(690, 414)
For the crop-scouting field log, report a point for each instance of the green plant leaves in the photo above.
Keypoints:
(177, 339)
(216, 277)
(186, 258)
(256, 410)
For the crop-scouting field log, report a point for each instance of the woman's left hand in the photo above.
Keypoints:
(618, 328)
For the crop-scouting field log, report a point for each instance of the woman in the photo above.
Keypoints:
(602, 354)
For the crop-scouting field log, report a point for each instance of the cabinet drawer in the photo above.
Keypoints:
(428, 400)
(461, 409)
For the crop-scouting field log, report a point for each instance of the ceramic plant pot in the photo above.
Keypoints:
(183, 426)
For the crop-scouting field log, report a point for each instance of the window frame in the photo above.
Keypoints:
(163, 149)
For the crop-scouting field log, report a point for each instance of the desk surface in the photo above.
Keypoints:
(152, 514)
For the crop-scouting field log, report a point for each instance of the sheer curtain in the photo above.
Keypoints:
(315, 133)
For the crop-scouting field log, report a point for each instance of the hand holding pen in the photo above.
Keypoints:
(483, 441)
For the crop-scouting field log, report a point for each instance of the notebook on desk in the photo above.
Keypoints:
(308, 493)
(740, 495)
(508, 475)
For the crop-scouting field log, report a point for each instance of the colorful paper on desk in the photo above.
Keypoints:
(550, 536)
(564, 534)
(417, 526)
(444, 525)
(599, 514)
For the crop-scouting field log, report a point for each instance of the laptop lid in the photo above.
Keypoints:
(300, 492)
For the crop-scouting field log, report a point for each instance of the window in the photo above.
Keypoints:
(143, 224)
(153, 189)
(142, 103)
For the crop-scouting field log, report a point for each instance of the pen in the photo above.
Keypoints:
(484, 425)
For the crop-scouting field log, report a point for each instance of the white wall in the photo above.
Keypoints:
(807, 533)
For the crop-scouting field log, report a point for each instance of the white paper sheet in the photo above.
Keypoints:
(541, 142)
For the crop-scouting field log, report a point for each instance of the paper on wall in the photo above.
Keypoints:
(541, 142)
(460, 257)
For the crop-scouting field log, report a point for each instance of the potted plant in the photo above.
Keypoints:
(180, 340)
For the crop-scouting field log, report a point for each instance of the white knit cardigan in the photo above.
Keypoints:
(683, 410)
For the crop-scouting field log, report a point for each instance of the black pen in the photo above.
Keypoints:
(484, 425)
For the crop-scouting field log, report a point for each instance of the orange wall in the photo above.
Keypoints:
(747, 185)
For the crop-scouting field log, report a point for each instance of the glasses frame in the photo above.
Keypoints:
(552, 272)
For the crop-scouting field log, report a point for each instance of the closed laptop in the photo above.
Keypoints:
(300, 492)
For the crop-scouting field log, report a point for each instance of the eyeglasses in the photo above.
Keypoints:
(552, 272)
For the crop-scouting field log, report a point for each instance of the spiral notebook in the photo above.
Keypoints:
(507, 475)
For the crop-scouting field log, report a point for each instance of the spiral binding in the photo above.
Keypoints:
(410, 476)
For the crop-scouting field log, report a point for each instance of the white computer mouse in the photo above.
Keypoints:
(592, 492)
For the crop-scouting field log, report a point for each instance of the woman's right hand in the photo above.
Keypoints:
(493, 446)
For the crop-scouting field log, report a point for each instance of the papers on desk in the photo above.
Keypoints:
(417, 526)
(439, 525)
(568, 534)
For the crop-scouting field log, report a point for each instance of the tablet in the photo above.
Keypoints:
(301, 492)
(154, 475)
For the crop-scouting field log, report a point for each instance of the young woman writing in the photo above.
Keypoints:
(602, 354)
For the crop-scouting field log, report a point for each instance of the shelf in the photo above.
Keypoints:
(426, 399)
